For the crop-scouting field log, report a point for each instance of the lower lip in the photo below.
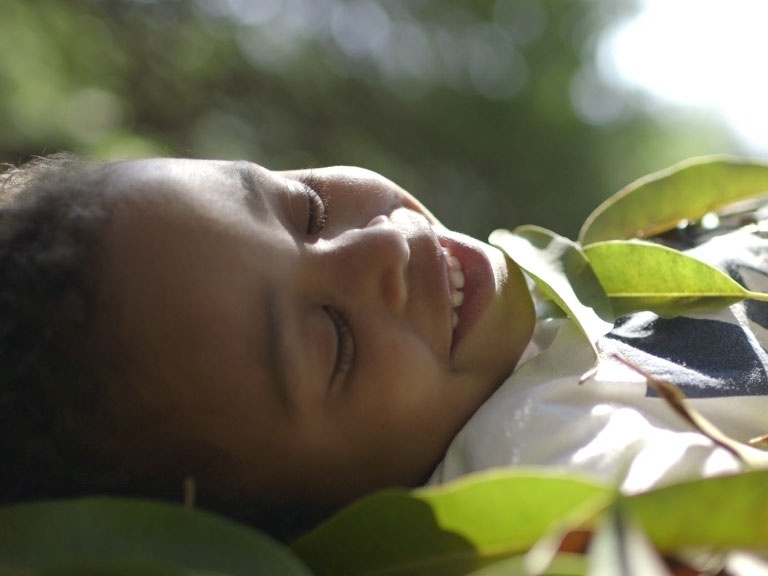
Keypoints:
(479, 287)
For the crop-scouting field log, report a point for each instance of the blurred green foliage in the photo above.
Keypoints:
(491, 111)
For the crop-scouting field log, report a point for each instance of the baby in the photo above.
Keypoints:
(289, 340)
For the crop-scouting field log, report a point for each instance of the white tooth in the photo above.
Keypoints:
(456, 271)
(457, 278)
(455, 319)
(457, 297)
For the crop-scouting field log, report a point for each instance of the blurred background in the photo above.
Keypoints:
(494, 112)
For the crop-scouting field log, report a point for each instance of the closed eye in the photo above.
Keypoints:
(345, 345)
(317, 204)
(317, 213)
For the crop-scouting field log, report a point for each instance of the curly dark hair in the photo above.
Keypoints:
(57, 366)
(52, 215)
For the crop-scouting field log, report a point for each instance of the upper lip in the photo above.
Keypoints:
(429, 283)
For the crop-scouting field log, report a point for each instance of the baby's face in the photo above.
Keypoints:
(313, 327)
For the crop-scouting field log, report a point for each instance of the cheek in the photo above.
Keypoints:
(493, 350)
(314, 370)
(401, 365)
(395, 419)
(402, 390)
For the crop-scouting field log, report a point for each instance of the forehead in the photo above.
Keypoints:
(181, 282)
(173, 182)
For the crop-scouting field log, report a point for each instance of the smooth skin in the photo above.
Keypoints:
(297, 324)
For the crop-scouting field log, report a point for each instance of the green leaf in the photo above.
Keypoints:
(562, 271)
(685, 191)
(638, 275)
(450, 529)
(721, 513)
(562, 565)
(102, 568)
(121, 535)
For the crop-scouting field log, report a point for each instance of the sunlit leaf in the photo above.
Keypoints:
(451, 529)
(561, 270)
(562, 565)
(120, 535)
(638, 275)
(685, 191)
(721, 513)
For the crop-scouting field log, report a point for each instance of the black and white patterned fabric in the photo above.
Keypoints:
(708, 353)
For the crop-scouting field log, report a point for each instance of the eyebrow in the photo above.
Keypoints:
(245, 173)
(275, 348)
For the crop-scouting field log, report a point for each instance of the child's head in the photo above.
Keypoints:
(296, 338)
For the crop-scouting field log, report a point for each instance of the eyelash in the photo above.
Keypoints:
(345, 355)
(317, 209)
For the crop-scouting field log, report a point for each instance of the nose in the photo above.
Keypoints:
(366, 266)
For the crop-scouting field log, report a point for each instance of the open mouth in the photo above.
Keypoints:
(456, 282)
(471, 283)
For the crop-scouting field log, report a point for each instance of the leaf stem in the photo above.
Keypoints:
(761, 296)
(676, 400)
